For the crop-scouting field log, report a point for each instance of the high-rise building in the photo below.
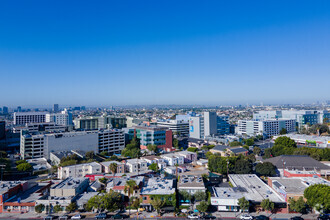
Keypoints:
(5, 110)
(56, 108)
(208, 124)
(21, 118)
(19, 109)
(40, 145)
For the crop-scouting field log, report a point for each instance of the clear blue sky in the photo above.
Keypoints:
(164, 52)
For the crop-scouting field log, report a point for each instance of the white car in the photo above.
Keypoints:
(193, 216)
(246, 217)
(78, 216)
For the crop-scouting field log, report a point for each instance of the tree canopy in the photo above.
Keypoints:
(24, 167)
(318, 196)
(268, 205)
(297, 205)
(132, 149)
(243, 203)
(111, 201)
(265, 169)
(153, 167)
(113, 168)
(202, 206)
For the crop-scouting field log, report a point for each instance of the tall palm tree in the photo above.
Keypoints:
(129, 189)
(113, 168)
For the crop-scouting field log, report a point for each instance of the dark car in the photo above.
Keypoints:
(119, 216)
(296, 218)
(261, 217)
(323, 217)
(101, 216)
(209, 217)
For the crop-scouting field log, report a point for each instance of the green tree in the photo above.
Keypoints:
(200, 196)
(20, 162)
(153, 167)
(157, 203)
(243, 166)
(266, 204)
(24, 167)
(57, 208)
(202, 206)
(256, 150)
(3, 154)
(184, 195)
(250, 142)
(39, 208)
(235, 144)
(243, 204)
(283, 131)
(89, 155)
(208, 154)
(113, 168)
(132, 149)
(103, 180)
(268, 153)
(192, 149)
(297, 205)
(72, 207)
(285, 142)
(152, 148)
(68, 163)
(265, 169)
(109, 201)
(129, 188)
(318, 196)
(175, 143)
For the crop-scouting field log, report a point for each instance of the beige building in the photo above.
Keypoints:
(79, 170)
(106, 167)
(69, 187)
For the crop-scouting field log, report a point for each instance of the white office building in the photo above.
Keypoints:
(270, 127)
(22, 118)
(41, 144)
(179, 127)
(63, 118)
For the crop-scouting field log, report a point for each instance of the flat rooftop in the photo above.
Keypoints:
(191, 181)
(253, 188)
(7, 185)
(158, 186)
(69, 183)
(30, 195)
(226, 193)
(297, 184)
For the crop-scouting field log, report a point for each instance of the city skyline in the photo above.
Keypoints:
(129, 53)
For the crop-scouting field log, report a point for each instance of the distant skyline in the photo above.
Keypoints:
(164, 52)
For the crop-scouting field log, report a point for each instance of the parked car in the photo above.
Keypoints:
(63, 217)
(261, 217)
(209, 217)
(193, 216)
(119, 216)
(78, 216)
(296, 218)
(323, 217)
(246, 217)
(101, 216)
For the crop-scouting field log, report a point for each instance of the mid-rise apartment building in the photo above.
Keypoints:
(270, 127)
(160, 136)
(136, 165)
(41, 144)
(79, 170)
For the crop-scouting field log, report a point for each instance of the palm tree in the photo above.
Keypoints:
(176, 170)
(113, 168)
(129, 189)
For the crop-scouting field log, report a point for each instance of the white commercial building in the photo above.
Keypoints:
(79, 170)
(178, 127)
(270, 127)
(40, 145)
(63, 118)
(22, 118)
(172, 159)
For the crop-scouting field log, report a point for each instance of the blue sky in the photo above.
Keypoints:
(164, 52)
